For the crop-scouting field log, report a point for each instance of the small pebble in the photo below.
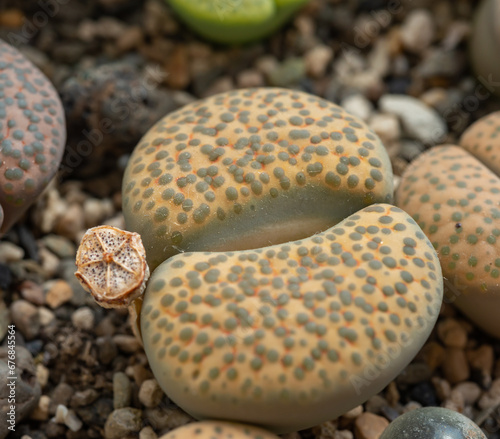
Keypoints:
(317, 60)
(433, 354)
(122, 391)
(67, 417)
(32, 292)
(84, 397)
(46, 316)
(58, 293)
(10, 252)
(386, 126)
(491, 398)
(369, 426)
(452, 334)
(71, 222)
(442, 387)
(122, 423)
(106, 350)
(482, 358)
(41, 411)
(469, 390)
(358, 105)
(288, 74)
(96, 211)
(147, 433)
(419, 121)
(83, 318)
(417, 31)
(60, 246)
(26, 318)
(250, 78)
(49, 261)
(42, 375)
(127, 343)
(150, 393)
(455, 367)
(61, 396)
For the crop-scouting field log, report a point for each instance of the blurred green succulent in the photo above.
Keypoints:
(235, 21)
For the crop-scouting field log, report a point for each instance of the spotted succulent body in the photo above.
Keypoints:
(482, 140)
(32, 131)
(455, 199)
(218, 430)
(292, 335)
(250, 168)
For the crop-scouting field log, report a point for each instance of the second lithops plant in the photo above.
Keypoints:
(235, 21)
(32, 134)
(316, 281)
(455, 198)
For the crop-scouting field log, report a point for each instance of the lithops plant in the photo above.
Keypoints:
(484, 44)
(292, 335)
(285, 293)
(482, 140)
(218, 430)
(32, 131)
(455, 200)
(250, 168)
(235, 21)
(432, 423)
(287, 336)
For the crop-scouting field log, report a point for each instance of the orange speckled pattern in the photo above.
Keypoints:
(482, 140)
(292, 335)
(218, 430)
(250, 168)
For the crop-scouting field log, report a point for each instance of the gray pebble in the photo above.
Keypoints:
(122, 423)
(121, 390)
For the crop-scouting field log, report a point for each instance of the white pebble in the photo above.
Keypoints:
(317, 60)
(358, 106)
(83, 318)
(10, 252)
(418, 30)
(419, 120)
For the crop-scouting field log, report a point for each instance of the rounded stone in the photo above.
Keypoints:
(432, 423)
(252, 181)
(32, 134)
(291, 335)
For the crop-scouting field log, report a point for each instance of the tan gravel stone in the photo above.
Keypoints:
(433, 354)
(492, 397)
(369, 426)
(443, 388)
(150, 393)
(25, 316)
(452, 334)
(482, 358)
(58, 293)
(32, 292)
(455, 367)
(469, 390)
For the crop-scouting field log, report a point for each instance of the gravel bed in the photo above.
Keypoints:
(402, 68)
